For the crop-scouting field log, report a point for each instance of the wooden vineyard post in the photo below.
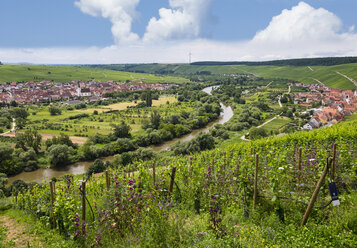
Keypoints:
(333, 166)
(154, 173)
(300, 159)
(316, 192)
(107, 179)
(255, 194)
(83, 191)
(172, 180)
(52, 190)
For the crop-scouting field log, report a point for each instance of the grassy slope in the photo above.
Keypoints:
(10, 73)
(326, 74)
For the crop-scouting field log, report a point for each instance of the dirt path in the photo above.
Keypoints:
(318, 81)
(310, 68)
(347, 77)
(12, 128)
(16, 235)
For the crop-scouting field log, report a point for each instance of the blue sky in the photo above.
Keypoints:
(120, 31)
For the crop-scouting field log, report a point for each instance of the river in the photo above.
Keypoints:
(81, 167)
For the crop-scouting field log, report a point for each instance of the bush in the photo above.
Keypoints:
(17, 186)
(60, 155)
(97, 167)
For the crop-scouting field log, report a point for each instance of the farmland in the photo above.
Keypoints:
(212, 200)
(45, 123)
(326, 74)
(10, 73)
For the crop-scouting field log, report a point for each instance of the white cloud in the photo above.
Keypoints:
(121, 13)
(302, 23)
(302, 31)
(183, 21)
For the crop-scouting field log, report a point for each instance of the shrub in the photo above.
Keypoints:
(97, 167)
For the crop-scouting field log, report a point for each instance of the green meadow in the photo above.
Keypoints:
(91, 124)
(326, 74)
(10, 73)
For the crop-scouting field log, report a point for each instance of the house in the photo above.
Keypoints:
(83, 92)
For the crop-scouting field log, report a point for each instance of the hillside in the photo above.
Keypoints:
(313, 74)
(10, 73)
(208, 199)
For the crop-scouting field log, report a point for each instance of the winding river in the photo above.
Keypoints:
(81, 167)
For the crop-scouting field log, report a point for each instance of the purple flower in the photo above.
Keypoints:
(214, 198)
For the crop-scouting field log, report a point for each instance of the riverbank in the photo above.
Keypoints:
(81, 167)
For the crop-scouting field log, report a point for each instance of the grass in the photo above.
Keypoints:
(352, 117)
(277, 124)
(125, 105)
(101, 123)
(326, 74)
(35, 229)
(9, 73)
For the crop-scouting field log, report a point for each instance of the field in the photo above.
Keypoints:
(211, 199)
(10, 73)
(45, 123)
(326, 74)
(277, 124)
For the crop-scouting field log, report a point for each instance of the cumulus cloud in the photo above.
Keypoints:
(184, 20)
(121, 13)
(301, 24)
(302, 31)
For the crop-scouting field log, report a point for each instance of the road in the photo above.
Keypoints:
(318, 81)
(349, 78)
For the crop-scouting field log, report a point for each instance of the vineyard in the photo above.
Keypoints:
(268, 193)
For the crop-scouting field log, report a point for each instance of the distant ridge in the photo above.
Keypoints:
(328, 61)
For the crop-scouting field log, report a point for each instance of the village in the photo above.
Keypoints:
(31, 92)
(335, 104)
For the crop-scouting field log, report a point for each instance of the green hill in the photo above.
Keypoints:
(210, 201)
(306, 74)
(9, 73)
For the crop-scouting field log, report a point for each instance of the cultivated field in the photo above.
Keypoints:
(10, 73)
(91, 124)
(306, 74)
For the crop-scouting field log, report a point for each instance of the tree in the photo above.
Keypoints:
(60, 155)
(20, 116)
(4, 122)
(62, 139)
(54, 110)
(8, 165)
(97, 167)
(13, 103)
(28, 160)
(155, 119)
(257, 133)
(147, 98)
(29, 139)
(122, 130)
(125, 145)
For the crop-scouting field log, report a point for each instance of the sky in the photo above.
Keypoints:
(167, 31)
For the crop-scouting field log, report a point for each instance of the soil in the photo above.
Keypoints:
(16, 235)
